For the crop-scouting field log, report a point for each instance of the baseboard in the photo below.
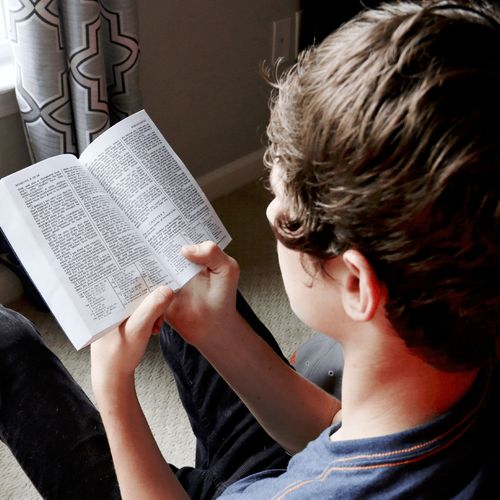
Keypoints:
(233, 175)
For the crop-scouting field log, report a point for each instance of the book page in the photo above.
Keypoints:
(85, 257)
(148, 181)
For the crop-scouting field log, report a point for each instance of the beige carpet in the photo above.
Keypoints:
(243, 213)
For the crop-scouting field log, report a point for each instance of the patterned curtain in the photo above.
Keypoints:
(77, 70)
(77, 74)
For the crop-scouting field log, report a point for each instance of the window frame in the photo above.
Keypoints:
(8, 102)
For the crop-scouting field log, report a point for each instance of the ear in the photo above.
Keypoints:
(361, 291)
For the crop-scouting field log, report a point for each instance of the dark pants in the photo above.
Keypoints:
(57, 436)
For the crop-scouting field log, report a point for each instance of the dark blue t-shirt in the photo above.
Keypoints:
(454, 456)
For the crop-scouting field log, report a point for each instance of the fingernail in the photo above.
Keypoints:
(189, 248)
(164, 290)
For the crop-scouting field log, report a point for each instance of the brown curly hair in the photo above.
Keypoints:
(387, 139)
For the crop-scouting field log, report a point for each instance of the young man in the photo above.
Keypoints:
(384, 162)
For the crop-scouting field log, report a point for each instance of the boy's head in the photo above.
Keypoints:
(387, 138)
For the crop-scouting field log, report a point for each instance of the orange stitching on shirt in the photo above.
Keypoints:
(295, 486)
(431, 441)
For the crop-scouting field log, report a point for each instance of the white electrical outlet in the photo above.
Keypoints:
(282, 31)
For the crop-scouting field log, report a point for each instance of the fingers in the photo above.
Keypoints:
(150, 311)
(210, 255)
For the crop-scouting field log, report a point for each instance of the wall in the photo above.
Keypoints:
(13, 151)
(200, 74)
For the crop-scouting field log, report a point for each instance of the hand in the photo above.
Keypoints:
(207, 302)
(115, 356)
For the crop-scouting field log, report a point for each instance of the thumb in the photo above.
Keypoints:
(210, 255)
(144, 318)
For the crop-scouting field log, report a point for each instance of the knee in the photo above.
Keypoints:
(16, 332)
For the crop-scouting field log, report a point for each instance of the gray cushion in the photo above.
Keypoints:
(321, 360)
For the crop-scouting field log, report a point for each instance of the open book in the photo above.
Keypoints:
(98, 233)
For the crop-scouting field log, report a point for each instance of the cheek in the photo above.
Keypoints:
(272, 211)
(297, 283)
(314, 300)
(289, 261)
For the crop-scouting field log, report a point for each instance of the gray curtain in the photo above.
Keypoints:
(77, 70)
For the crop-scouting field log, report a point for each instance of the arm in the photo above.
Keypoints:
(141, 469)
(291, 409)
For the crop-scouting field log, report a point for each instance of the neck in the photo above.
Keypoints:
(384, 394)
